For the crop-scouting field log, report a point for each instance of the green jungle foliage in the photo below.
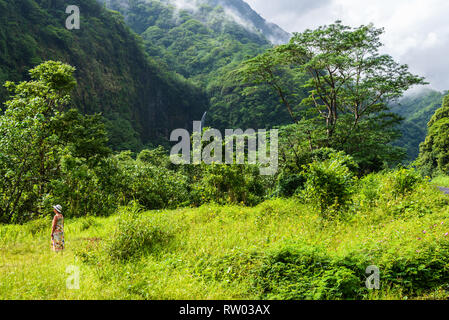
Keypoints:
(281, 249)
(50, 153)
(434, 151)
(140, 100)
(70, 162)
(46, 152)
(416, 109)
(349, 86)
(141, 227)
(205, 46)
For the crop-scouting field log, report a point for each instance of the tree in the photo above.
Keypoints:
(36, 133)
(27, 143)
(329, 184)
(349, 82)
(434, 151)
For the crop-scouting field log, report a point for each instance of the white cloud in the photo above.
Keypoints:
(416, 31)
(185, 4)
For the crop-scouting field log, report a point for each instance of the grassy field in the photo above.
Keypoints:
(442, 181)
(280, 249)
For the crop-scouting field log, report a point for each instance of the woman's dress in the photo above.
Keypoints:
(58, 235)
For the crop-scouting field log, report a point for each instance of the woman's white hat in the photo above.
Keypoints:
(58, 208)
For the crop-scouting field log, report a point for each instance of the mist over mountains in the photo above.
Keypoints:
(236, 10)
(204, 41)
(241, 13)
(151, 66)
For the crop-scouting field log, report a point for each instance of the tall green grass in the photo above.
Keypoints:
(281, 249)
(442, 181)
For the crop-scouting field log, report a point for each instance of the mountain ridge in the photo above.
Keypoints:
(242, 13)
(271, 31)
(140, 101)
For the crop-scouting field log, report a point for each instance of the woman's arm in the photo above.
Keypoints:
(53, 226)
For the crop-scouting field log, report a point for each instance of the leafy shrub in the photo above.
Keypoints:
(324, 154)
(294, 272)
(368, 189)
(37, 226)
(441, 180)
(404, 181)
(402, 193)
(83, 190)
(157, 157)
(289, 184)
(424, 269)
(135, 235)
(329, 185)
(228, 184)
(153, 187)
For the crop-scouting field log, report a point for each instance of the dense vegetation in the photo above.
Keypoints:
(68, 160)
(142, 96)
(434, 152)
(51, 153)
(416, 109)
(142, 227)
(141, 102)
(204, 45)
(281, 249)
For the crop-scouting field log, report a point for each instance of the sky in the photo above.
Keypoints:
(416, 31)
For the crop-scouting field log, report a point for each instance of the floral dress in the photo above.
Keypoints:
(58, 234)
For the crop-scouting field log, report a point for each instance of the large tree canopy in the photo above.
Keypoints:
(349, 84)
(36, 132)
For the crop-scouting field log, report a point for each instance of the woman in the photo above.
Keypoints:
(57, 230)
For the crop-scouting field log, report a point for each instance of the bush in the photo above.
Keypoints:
(329, 185)
(153, 187)
(294, 272)
(324, 154)
(424, 269)
(83, 190)
(404, 181)
(369, 189)
(38, 226)
(156, 157)
(228, 184)
(134, 236)
(289, 184)
(441, 181)
(401, 193)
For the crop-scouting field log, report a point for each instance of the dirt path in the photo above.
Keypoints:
(445, 190)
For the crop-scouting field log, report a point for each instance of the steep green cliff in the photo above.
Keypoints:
(204, 41)
(141, 100)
